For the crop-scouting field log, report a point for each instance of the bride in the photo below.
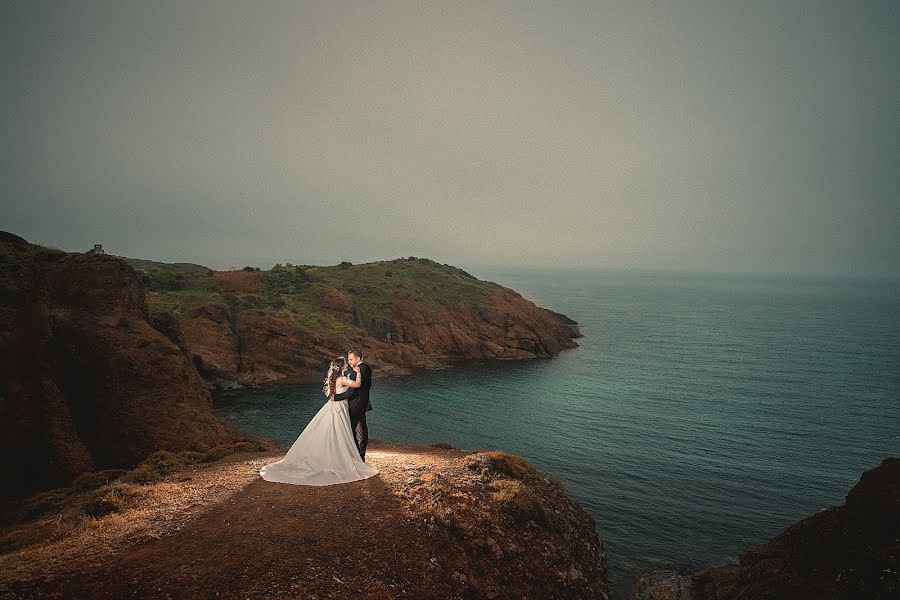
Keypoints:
(325, 452)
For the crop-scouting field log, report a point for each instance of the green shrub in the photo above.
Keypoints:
(159, 280)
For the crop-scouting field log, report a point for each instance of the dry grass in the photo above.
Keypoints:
(94, 479)
(163, 463)
(104, 492)
(519, 501)
(444, 525)
(114, 497)
(71, 538)
(503, 463)
(156, 466)
(219, 452)
(45, 502)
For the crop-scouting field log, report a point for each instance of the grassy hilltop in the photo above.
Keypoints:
(311, 296)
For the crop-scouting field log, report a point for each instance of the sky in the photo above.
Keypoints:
(712, 136)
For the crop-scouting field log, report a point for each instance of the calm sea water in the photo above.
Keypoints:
(700, 415)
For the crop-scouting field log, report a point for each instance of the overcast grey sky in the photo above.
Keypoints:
(759, 136)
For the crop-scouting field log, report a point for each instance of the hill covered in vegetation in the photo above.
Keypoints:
(284, 323)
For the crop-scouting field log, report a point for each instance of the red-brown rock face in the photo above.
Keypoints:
(257, 346)
(275, 349)
(848, 551)
(87, 381)
(506, 327)
(337, 301)
(209, 334)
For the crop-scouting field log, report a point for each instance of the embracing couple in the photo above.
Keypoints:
(332, 447)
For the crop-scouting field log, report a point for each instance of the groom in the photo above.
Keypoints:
(358, 399)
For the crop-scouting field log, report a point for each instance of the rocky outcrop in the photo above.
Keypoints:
(336, 301)
(208, 332)
(259, 346)
(273, 348)
(845, 552)
(849, 551)
(436, 522)
(87, 381)
(505, 327)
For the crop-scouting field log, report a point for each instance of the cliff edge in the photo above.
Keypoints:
(87, 381)
(845, 552)
(436, 522)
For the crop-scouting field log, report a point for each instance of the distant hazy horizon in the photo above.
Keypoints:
(702, 136)
(484, 270)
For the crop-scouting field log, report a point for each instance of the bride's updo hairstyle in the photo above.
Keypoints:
(334, 371)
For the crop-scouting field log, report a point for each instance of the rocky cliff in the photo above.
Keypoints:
(436, 522)
(284, 324)
(846, 552)
(87, 381)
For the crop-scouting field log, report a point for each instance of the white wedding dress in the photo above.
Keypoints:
(325, 452)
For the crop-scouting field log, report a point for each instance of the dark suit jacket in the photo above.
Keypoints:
(358, 398)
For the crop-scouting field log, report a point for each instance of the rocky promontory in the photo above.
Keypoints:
(249, 327)
(436, 522)
(845, 552)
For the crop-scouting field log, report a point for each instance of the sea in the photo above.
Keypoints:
(700, 414)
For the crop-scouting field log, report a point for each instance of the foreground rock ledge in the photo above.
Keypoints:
(437, 522)
(845, 552)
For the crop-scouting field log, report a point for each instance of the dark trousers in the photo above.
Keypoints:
(360, 431)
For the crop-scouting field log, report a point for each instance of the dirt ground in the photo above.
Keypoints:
(221, 531)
